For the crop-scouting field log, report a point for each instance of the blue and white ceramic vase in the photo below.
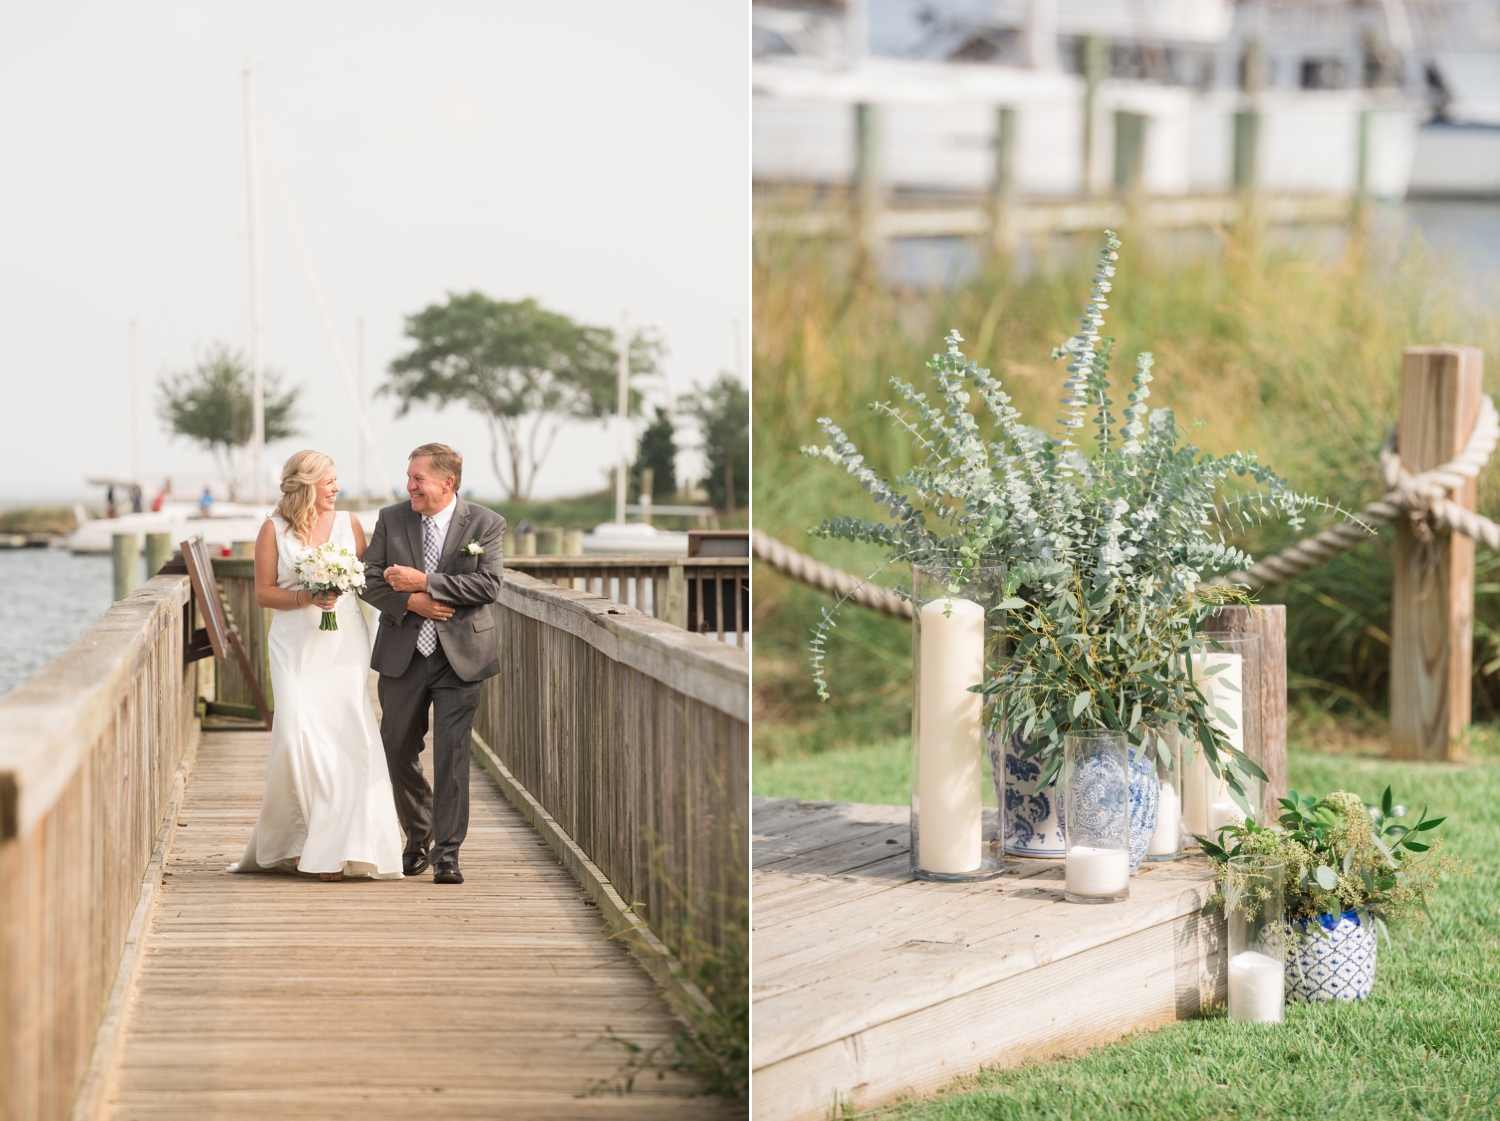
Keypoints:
(1335, 963)
(1032, 826)
(1033, 817)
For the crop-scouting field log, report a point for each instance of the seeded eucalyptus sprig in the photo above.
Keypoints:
(1106, 547)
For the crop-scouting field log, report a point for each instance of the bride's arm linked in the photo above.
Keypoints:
(267, 594)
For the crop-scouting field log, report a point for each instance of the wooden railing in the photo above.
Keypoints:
(632, 737)
(705, 595)
(88, 751)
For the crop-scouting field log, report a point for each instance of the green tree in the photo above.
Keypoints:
(723, 413)
(525, 369)
(658, 454)
(210, 404)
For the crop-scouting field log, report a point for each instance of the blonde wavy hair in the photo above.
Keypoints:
(299, 495)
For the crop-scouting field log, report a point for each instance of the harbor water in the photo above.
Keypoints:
(52, 597)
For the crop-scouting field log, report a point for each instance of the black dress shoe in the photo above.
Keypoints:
(447, 873)
(413, 863)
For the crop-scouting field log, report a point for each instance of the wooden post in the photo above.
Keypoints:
(573, 542)
(1003, 199)
(125, 553)
(158, 552)
(869, 189)
(525, 544)
(676, 608)
(1269, 621)
(1432, 600)
(1095, 71)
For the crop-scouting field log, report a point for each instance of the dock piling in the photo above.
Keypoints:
(126, 558)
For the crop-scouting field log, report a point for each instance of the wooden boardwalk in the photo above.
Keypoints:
(867, 983)
(283, 996)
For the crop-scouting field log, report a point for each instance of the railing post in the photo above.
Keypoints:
(676, 610)
(1432, 600)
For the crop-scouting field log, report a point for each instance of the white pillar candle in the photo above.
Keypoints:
(1257, 988)
(1200, 787)
(1168, 836)
(1095, 871)
(948, 767)
(1221, 814)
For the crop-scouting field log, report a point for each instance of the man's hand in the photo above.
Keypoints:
(403, 579)
(425, 606)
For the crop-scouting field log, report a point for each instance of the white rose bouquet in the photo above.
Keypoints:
(329, 568)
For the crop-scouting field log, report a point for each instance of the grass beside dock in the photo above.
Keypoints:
(1425, 1045)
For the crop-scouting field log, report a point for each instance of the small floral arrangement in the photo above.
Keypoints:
(474, 549)
(329, 568)
(1339, 855)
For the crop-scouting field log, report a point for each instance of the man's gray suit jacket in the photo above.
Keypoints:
(468, 581)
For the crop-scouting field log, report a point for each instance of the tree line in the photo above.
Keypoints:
(525, 370)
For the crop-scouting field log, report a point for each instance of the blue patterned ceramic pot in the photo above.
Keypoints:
(1032, 826)
(1033, 818)
(1335, 963)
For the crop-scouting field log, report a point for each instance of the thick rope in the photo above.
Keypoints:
(1423, 499)
(803, 568)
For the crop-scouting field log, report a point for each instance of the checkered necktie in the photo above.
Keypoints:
(427, 636)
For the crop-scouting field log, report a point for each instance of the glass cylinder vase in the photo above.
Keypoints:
(1228, 671)
(956, 640)
(1256, 912)
(1095, 784)
(1165, 750)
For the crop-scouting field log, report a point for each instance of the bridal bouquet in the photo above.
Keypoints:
(329, 568)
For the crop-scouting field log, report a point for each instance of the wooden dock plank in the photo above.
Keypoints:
(274, 995)
(868, 983)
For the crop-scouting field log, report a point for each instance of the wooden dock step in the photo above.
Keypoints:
(867, 983)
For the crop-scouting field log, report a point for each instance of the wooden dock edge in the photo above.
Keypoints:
(1147, 979)
(93, 1093)
(684, 997)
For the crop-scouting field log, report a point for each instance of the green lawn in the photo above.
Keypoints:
(1426, 1044)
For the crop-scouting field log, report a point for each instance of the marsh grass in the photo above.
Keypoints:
(1295, 354)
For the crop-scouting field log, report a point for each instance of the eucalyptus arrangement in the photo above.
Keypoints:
(1341, 855)
(1106, 539)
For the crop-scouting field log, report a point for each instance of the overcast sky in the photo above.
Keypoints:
(592, 155)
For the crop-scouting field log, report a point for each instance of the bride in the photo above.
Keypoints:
(328, 806)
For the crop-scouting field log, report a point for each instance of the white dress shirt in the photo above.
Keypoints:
(440, 523)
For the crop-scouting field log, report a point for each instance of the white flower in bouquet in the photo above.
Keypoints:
(329, 568)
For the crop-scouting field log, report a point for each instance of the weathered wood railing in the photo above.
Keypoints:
(88, 751)
(631, 737)
(706, 595)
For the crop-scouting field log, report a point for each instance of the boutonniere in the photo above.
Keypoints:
(474, 549)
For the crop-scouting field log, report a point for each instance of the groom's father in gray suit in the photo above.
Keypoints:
(433, 568)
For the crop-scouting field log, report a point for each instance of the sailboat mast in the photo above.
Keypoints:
(257, 371)
(359, 368)
(622, 410)
(135, 422)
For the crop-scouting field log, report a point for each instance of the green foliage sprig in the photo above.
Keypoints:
(1105, 552)
(1342, 855)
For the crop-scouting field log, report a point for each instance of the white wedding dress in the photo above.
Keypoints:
(328, 797)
